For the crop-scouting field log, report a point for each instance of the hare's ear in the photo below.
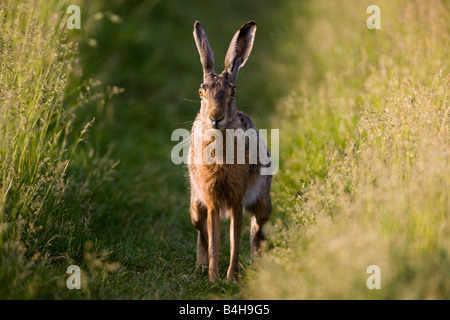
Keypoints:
(204, 49)
(239, 49)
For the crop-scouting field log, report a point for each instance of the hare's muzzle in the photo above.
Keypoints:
(216, 123)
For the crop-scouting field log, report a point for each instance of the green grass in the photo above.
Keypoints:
(383, 198)
(364, 136)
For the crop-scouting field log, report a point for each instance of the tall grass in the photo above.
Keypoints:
(375, 188)
(38, 225)
(33, 77)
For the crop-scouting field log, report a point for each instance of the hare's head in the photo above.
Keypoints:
(217, 91)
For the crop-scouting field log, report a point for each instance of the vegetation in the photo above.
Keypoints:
(86, 178)
(382, 197)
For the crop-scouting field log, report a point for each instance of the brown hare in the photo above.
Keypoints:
(223, 188)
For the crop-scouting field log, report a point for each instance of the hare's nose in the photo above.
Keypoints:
(215, 123)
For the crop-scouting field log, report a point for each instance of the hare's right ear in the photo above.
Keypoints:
(204, 49)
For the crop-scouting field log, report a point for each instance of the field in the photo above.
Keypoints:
(86, 177)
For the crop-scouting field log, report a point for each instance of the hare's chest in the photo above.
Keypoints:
(223, 183)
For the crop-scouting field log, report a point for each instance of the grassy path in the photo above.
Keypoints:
(142, 217)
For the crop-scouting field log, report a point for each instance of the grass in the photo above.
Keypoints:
(364, 136)
(383, 198)
(33, 151)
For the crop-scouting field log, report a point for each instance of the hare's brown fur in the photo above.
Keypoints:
(221, 188)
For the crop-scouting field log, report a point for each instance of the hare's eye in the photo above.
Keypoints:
(233, 91)
(200, 91)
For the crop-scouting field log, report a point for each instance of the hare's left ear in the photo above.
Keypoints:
(239, 49)
(204, 49)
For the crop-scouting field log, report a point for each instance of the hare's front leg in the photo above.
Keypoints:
(235, 235)
(198, 219)
(213, 223)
